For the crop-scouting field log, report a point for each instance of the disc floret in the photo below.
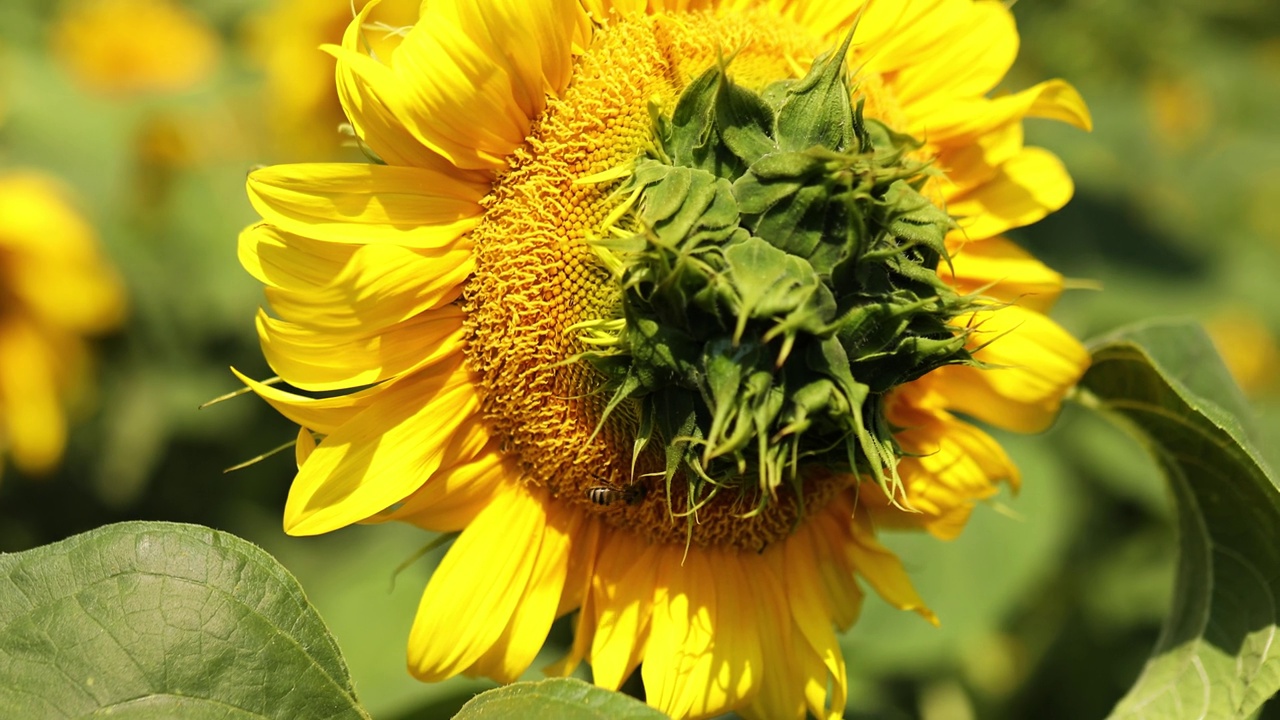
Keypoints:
(778, 272)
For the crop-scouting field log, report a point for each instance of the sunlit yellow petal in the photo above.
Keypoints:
(317, 360)
(363, 298)
(783, 674)
(453, 496)
(396, 439)
(1000, 269)
(825, 692)
(897, 35)
(966, 118)
(439, 82)
(831, 537)
(532, 40)
(324, 415)
(478, 586)
(1033, 362)
(356, 203)
(1025, 189)
(624, 601)
(530, 622)
(969, 64)
(303, 446)
(287, 261)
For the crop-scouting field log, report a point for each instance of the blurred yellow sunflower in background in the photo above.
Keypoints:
(55, 288)
(119, 47)
(667, 309)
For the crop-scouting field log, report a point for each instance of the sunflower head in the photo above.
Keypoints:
(56, 289)
(667, 307)
(123, 47)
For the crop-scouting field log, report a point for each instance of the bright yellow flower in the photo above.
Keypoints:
(132, 46)
(55, 288)
(478, 314)
(1248, 348)
(303, 113)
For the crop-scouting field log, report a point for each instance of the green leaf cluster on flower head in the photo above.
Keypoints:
(778, 266)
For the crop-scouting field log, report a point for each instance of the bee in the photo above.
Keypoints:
(605, 496)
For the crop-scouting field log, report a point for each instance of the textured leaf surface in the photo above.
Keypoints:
(1217, 654)
(161, 620)
(558, 699)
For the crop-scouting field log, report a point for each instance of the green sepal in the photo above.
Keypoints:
(816, 111)
(744, 120)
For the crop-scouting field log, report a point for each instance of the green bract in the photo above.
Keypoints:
(778, 267)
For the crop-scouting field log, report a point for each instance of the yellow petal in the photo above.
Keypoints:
(737, 655)
(451, 94)
(975, 163)
(364, 203)
(303, 446)
(287, 261)
(826, 19)
(702, 658)
(896, 35)
(979, 50)
(884, 571)
(1001, 270)
(1033, 364)
(829, 534)
(577, 594)
(380, 286)
(320, 360)
(453, 496)
(962, 119)
(382, 454)
(527, 629)
(826, 689)
(623, 598)
(950, 464)
(324, 415)
(678, 666)
(532, 39)
(1028, 187)
(1058, 100)
(782, 678)
(479, 585)
(366, 88)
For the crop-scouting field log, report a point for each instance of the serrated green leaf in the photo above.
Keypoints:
(1216, 655)
(163, 620)
(556, 699)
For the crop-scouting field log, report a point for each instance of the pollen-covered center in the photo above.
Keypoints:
(641, 351)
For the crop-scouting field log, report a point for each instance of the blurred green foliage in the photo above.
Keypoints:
(1050, 602)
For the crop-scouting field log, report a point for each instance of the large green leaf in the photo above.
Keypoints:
(162, 620)
(557, 699)
(1216, 656)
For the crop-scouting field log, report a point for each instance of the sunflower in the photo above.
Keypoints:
(665, 309)
(121, 47)
(55, 288)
